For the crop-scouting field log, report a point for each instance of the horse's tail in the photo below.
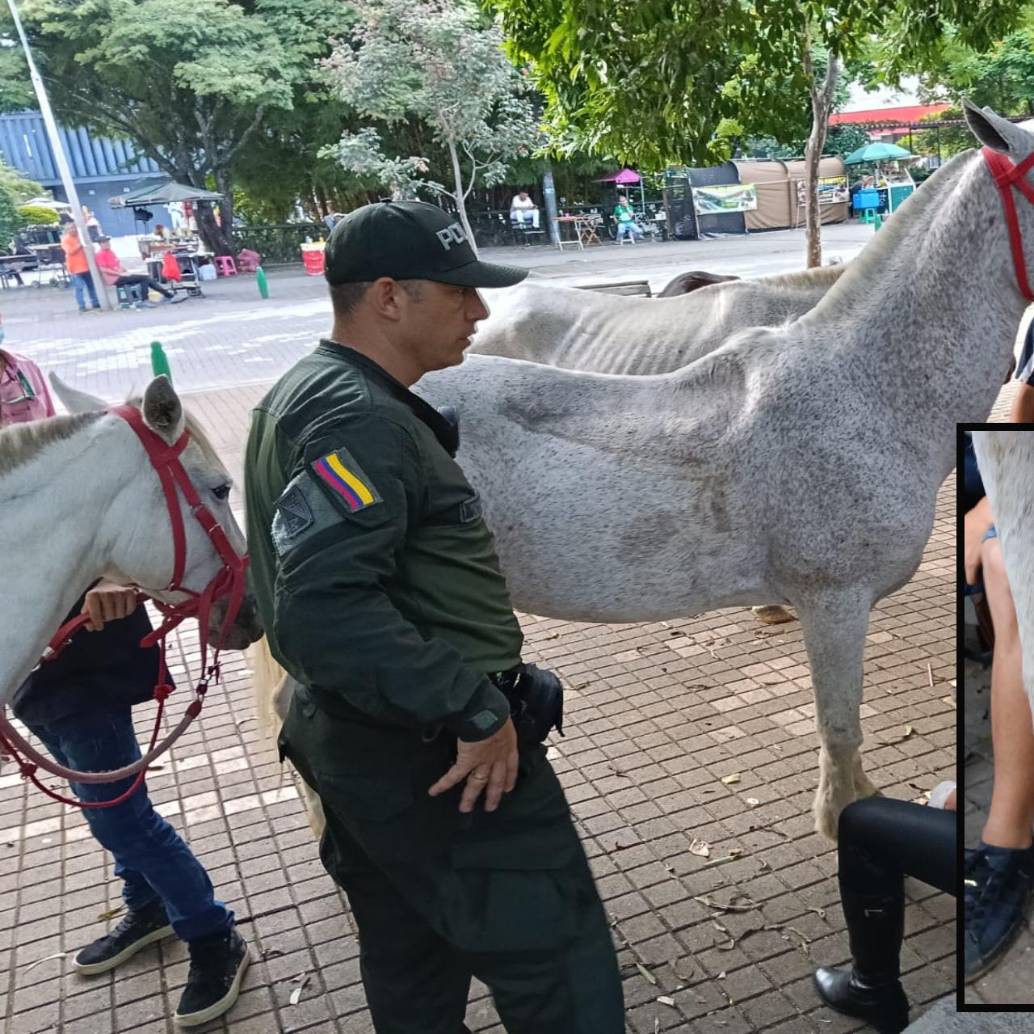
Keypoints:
(274, 688)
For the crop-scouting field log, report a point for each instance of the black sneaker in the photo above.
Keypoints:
(217, 966)
(996, 890)
(135, 931)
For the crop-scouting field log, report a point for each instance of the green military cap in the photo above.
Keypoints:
(409, 240)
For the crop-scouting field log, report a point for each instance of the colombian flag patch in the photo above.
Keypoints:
(345, 478)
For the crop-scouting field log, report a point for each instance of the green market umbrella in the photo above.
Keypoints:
(877, 153)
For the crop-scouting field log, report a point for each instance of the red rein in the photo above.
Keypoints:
(228, 582)
(1009, 176)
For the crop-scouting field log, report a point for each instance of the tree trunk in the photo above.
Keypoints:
(821, 105)
(217, 239)
(461, 207)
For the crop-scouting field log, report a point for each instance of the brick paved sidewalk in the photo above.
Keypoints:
(661, 718)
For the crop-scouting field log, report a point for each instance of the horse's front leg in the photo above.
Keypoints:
(834, 625)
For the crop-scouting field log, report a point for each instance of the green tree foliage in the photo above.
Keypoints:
(682, 80)
(20, 188)
(14, 190)
(840, 141)
(192, 89)
(11, 221)
(1001, 77)
(656, 80)
(437, 63)
(37, 215)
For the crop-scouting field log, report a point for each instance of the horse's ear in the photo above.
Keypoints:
(74, 400)
(998, 133)
(162, 410)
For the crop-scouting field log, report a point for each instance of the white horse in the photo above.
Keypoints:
(800, 463)
(79, 501)
(606, 333)
(1006, 460)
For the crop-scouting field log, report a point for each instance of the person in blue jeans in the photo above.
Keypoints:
(79, 706)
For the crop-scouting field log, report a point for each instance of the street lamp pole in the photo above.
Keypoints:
(60, 159)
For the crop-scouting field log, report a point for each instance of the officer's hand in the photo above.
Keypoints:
(107, 601)
(487, 765)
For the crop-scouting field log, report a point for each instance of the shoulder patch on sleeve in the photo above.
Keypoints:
(301, 511)
(346, 479)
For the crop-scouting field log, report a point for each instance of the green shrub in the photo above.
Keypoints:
(37, 215)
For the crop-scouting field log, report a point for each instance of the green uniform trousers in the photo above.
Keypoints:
(441, 897)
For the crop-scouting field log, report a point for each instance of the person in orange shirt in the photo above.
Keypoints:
(78, 268)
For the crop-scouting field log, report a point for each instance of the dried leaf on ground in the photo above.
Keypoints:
(734, 853)
(647, 975)
(682, 977)
(747, 906)
(296, 994)
(731, 779)
(699, 847)
(111, 913)
(46, 958)
(909, 730)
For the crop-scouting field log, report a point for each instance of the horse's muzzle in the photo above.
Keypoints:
(245, 630)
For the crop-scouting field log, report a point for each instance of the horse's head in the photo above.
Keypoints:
(1009, 154)
(686, 283)
(144, 554)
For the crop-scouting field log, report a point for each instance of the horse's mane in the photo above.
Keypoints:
(20, 443)
(862, 273)
(806, 277)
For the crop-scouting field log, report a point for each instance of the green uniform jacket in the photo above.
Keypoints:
(375, 575)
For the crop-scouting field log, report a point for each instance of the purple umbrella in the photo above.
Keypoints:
(624, 178)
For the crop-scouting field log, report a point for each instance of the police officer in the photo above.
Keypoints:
(416, 722)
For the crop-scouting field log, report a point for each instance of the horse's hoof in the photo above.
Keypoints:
(773, 614)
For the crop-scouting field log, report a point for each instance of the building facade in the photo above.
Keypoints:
(101, 168)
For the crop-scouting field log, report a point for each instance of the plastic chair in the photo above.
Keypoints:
(225, 266)
(248, 261)
(866, 201)
(130, 296)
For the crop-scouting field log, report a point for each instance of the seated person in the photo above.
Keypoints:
(115, 274)
(880, 842)
(524, 211)
(624, 216)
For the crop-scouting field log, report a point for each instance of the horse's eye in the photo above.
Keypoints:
(221, 492)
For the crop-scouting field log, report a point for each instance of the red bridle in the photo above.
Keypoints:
(228, 582)
(1009, 176)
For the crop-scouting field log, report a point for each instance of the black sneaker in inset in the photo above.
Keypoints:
(217, 966)
(997, 884)
(135, 931)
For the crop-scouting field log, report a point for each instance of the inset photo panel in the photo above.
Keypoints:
(996, 743)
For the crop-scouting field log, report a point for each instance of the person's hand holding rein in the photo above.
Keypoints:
(976, 525)
(489, 766)
(107, 601)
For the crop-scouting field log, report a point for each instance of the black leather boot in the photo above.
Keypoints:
(870, 990)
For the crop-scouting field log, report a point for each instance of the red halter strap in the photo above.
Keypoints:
(229, 581)
(1009, 176)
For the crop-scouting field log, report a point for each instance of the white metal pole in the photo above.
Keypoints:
(61, 159)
